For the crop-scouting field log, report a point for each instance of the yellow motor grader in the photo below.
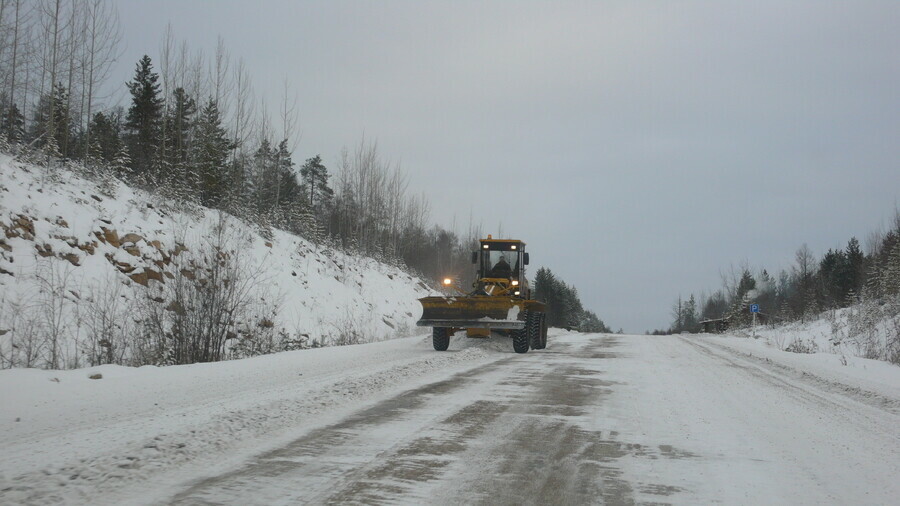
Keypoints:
(500, 302)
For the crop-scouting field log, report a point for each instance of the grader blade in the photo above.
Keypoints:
(473, 312)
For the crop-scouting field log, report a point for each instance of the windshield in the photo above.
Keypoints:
(502, 264)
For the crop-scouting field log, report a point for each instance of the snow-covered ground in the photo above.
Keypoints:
(621, 419)
(65, 247)
(70, 439)
(828, 348)
(672, 419)
(873, 379)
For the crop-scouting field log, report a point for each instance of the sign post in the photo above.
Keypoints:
(754, 308)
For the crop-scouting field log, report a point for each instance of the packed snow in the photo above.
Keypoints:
(68, 438)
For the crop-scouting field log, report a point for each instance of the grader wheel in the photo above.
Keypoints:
(537, 330)
(533, 326)
(521, 340)
(543, 331)
(440, 338)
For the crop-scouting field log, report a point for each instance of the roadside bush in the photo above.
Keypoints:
(799, 345)
(110, 325)
(212, 300)
(42, 329)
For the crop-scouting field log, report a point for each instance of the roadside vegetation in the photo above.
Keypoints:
(856, 289)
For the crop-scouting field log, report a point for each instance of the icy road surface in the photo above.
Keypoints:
(593, 419)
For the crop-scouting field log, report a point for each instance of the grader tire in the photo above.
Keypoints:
(521, 340)
(533, 325)
(543, 331)
(440, 338)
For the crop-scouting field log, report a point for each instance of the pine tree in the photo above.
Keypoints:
(315, 185)
(144, 115)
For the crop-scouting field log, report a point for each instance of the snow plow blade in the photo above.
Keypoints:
(476, 311)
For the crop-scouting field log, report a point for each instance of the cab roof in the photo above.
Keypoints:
(510, 241)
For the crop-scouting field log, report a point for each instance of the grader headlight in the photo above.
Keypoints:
(448, 281)
(515, 282)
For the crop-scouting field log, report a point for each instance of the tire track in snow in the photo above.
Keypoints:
(102, 479)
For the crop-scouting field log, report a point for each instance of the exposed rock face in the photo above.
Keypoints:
(151, 260)
(131, 238)
(144, 277)
(110, 237)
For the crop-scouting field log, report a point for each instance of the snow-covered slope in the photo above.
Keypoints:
(70, 254)
(868, 330)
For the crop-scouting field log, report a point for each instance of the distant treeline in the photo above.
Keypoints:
(564, 308)
(840, 278)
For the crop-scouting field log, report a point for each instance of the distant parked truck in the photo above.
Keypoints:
(716, 326)
(500, 302)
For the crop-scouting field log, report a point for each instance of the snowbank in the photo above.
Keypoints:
(868, 330)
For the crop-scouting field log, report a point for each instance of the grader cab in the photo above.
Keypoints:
(500, 301)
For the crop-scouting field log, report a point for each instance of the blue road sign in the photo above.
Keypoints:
(754, 308)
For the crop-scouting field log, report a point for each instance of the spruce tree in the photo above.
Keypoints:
(689, 318)
(121, 164)
(105, 136)
(856, 262)
(890, 280)
(289, 189)
(210, 152)
(12, 125)
(144, 116)
(178, 129)
(262, 180)
(51, 126)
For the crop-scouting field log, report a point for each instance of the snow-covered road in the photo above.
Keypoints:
(593, 419)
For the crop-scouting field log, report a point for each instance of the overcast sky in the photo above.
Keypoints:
(639, 148)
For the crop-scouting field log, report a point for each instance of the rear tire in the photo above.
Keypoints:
(543, 331)
(440, 338)
(533, 325)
